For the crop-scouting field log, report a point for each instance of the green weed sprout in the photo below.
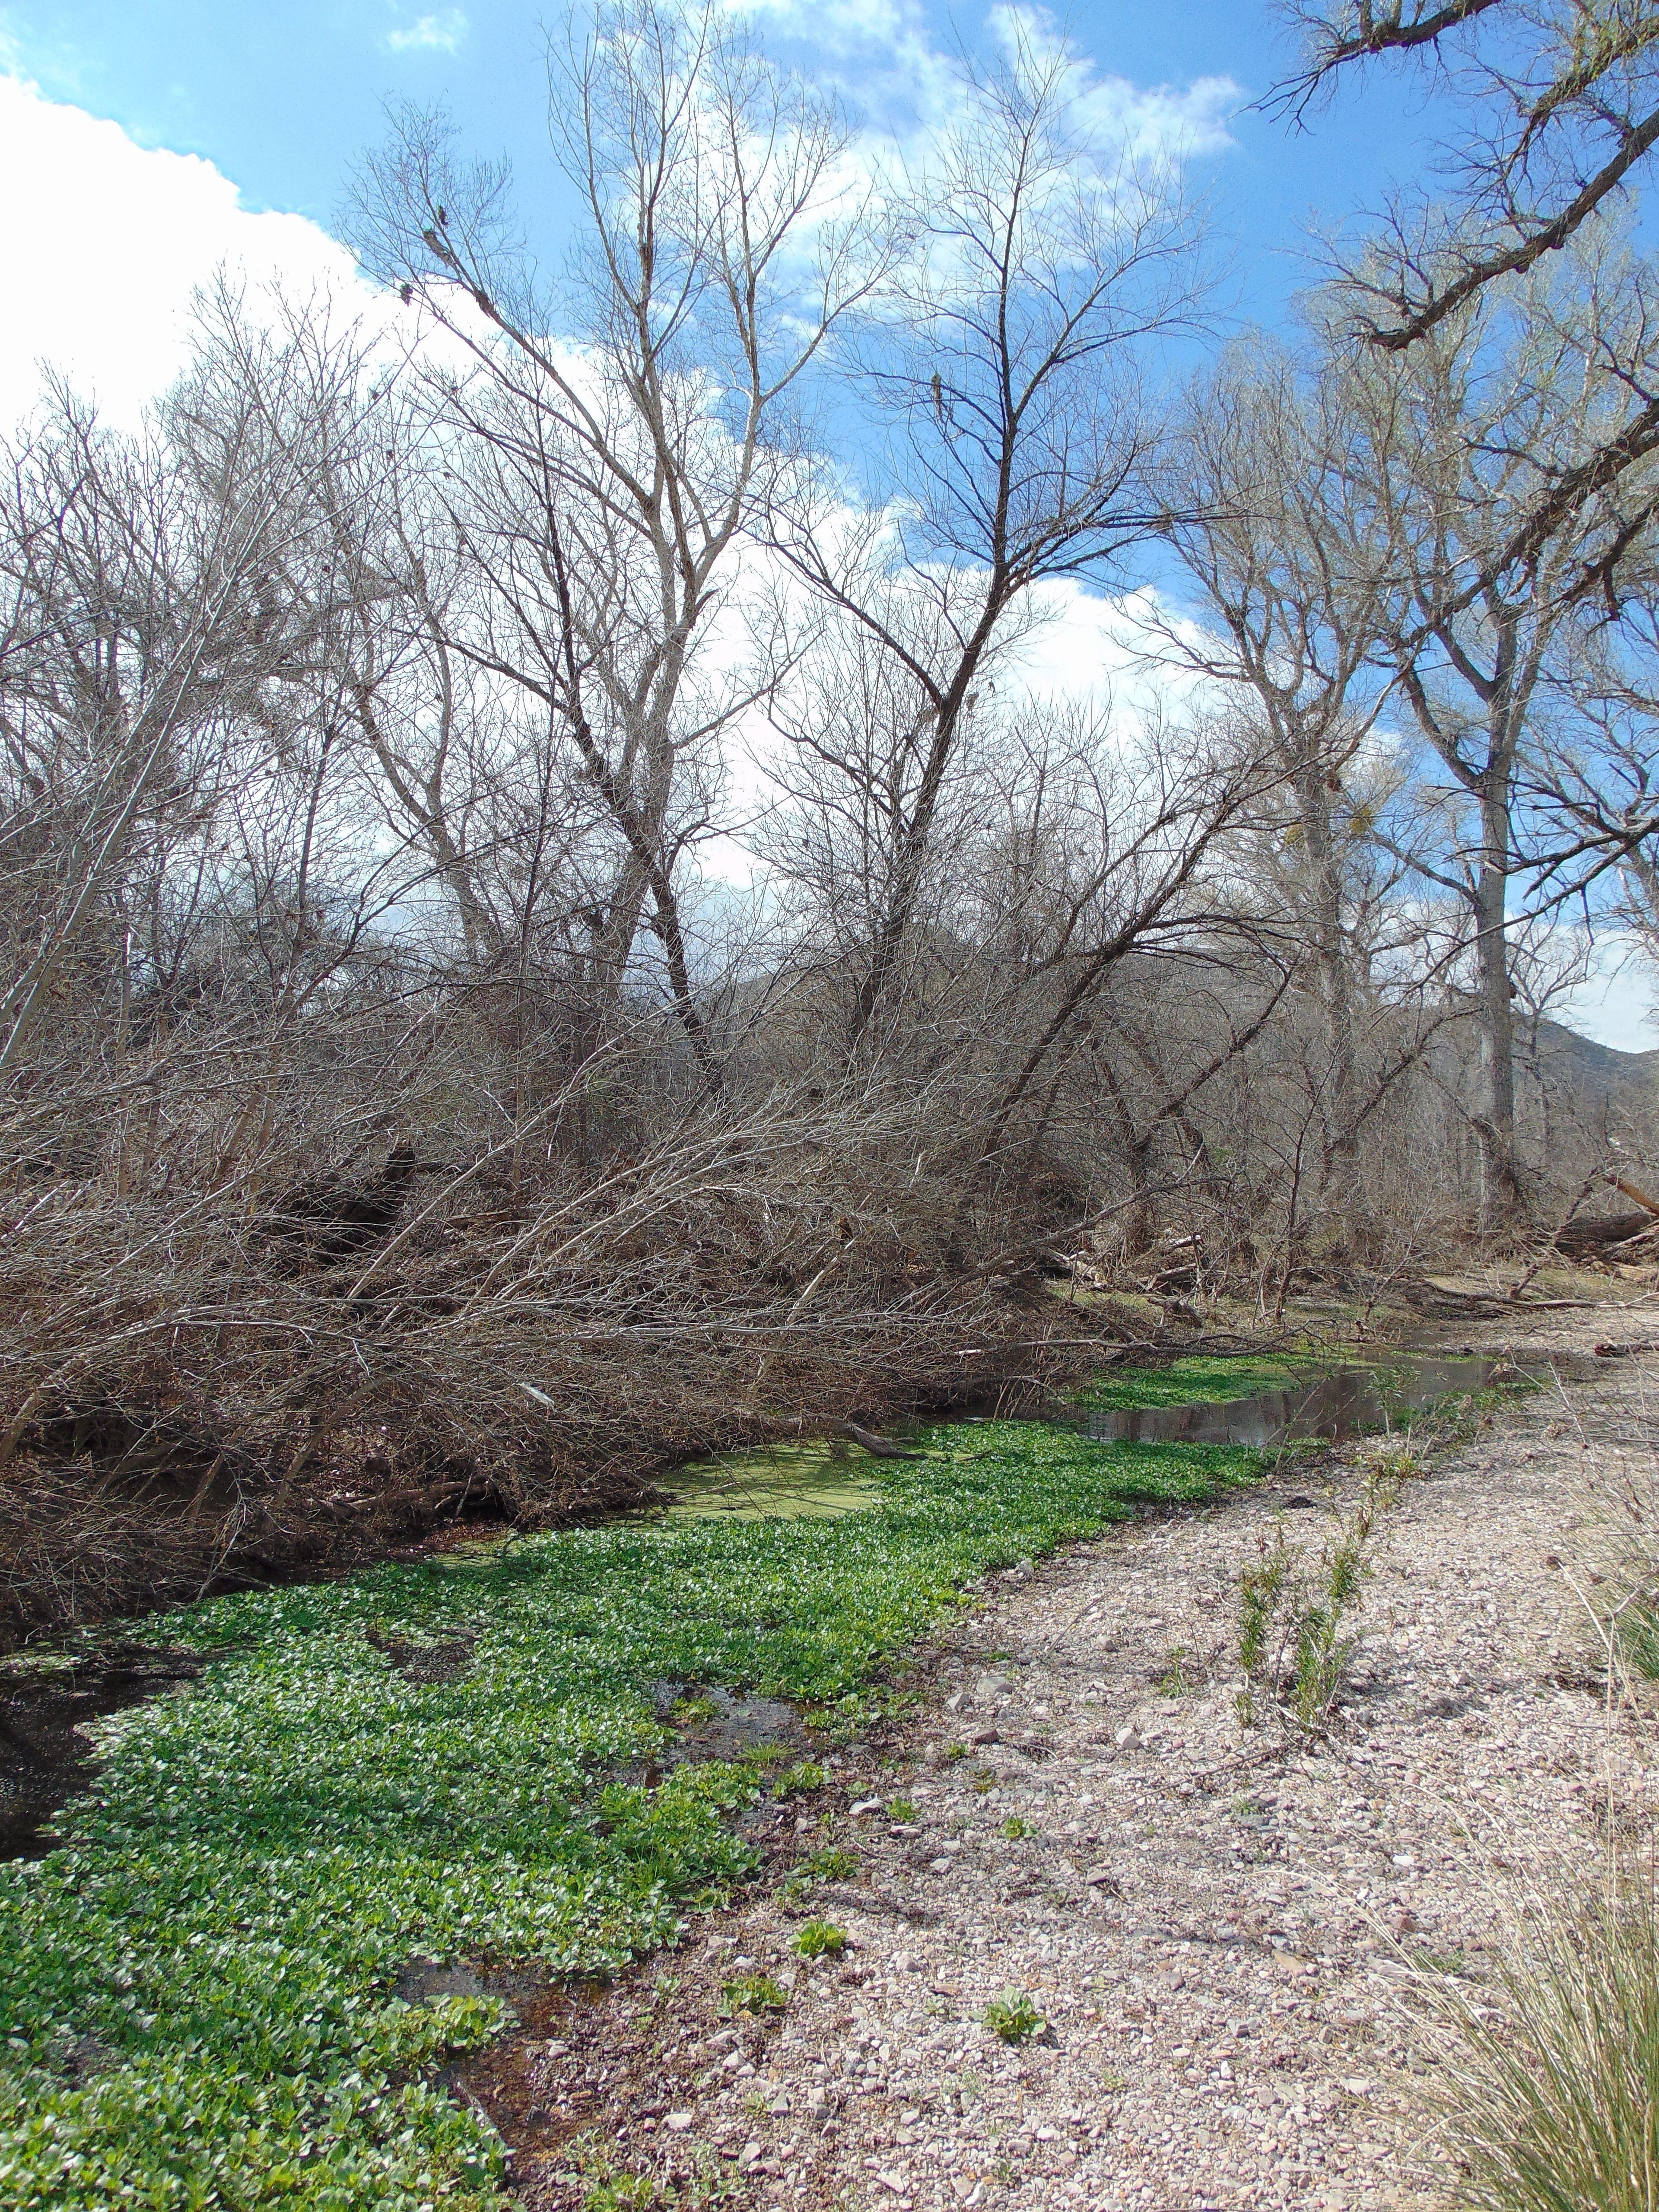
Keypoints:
(832, 1863)
(799, 1780)
(1012, 2018)
(900, 1810)
(820, 1939)
(1016, 1830)
(751, 1993)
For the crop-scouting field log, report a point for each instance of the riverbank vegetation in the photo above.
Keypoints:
(471, 1758)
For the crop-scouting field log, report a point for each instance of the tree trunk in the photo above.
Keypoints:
(1343, 1186)
(1494, 1125)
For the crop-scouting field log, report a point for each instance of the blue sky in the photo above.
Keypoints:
(152, 140)
(282, 98)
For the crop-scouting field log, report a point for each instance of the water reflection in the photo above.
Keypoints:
(1342, 1402)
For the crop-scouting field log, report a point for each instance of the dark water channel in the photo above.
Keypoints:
(45, 1756)
(1331, 1404)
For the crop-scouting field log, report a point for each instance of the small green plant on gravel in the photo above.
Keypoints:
(833, 1863)
(1112, 2084)
(1012, 2017)
(820, 1939)
(1441, 1962)
(1016, 1829)
(954, 1751)
(751, 1993)
(1179, 1678)
(620, 2192)
(984, 1780)
(603, 2187)
(900, 1810)
(1295, 1607)
(1547, 2076)
(799, 1780)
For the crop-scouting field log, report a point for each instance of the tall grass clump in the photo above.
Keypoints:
(1547, 2089)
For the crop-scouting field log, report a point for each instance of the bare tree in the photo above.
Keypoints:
(1009, 372)
(1480, 445)
(1567, 93)
(1278, 532)
(626, 425)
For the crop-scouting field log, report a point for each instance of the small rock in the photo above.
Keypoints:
(865, 1805)
(990, 1688)
(678, 2121)
(1128, 1737)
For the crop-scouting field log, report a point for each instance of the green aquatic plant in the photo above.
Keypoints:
(203, 1985)
(1198, 1380)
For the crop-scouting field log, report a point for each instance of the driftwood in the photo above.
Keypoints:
(879, 1447)
(1594, 1232)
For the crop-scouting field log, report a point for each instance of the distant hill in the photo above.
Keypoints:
(1594, 1071)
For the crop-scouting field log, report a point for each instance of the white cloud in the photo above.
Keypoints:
(100, 273)
(439, 34)
(882, 55)
(1616, 1004)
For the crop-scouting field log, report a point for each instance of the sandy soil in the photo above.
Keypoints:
(1203, 1913)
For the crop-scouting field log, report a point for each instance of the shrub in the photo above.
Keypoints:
(1293, 1610)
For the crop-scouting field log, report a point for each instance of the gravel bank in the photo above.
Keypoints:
(1199, 1911)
